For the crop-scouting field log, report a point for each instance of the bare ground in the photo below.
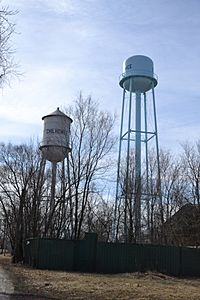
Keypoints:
(65, 285)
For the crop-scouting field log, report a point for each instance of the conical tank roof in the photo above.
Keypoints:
(57, 112)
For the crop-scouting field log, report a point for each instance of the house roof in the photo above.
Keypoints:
(184, 226)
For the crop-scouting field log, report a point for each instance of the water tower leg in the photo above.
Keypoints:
(138, 168)
(70, 197)
(147, 164)
(53, 188)
(114, 227)
(157, 156)
(127, 182)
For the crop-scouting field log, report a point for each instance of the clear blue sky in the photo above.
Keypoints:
(65, 46)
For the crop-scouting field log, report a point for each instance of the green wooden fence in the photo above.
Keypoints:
(89, 255)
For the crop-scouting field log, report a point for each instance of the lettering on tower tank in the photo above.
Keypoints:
(128, 67)
(56, 130)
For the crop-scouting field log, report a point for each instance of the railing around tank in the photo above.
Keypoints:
(138, 72)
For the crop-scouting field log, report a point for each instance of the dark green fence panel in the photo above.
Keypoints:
(51, 254)
(31, 251)
(190, 262)
(56, 254)
(119, 258)
(88, 255)
(82, 257)
(116, 258)
(85, 254)
(164, 259)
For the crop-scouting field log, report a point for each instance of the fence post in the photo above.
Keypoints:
(91, 247)
(85, 253)
(180, 261)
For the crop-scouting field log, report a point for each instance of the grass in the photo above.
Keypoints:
(65, 285)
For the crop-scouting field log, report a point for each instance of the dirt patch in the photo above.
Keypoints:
(65, 285)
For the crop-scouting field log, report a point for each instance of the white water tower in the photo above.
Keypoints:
(55, 147)
(56, 134)
(138, 128)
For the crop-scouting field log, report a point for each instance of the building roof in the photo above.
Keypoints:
(183, 228)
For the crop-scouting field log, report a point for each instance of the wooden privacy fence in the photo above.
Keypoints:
(89, 255)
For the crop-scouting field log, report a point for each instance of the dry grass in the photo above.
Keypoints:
(64, 285)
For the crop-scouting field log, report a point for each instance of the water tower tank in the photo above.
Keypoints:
(138, 74)
(56, 133)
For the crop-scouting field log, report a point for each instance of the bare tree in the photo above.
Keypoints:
(99, 217)
(21, 191)
(92, 143)
(127, 197)
(191, 163)
(8, 67)
(155, 211)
